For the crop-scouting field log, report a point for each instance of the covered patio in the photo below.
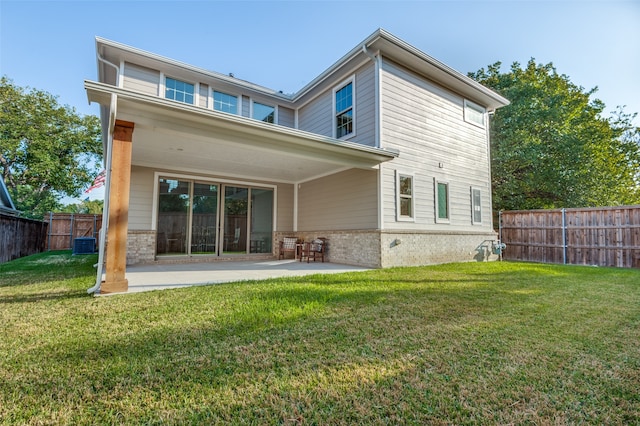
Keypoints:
(165, 276)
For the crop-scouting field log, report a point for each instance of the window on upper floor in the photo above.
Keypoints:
(404, 197)
(474, 113)
(442, 201)
(343, 110)
(225, 102)
(264, 112)
(476, 206)
(180, 91)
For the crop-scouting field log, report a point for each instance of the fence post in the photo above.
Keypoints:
(564, 236)
(49, 231)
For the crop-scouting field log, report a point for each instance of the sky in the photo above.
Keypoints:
(283, 45)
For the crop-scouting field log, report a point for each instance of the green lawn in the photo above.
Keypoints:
(473, 343)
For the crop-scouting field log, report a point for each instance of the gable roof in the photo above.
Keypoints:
(379, 42)
(6, 204)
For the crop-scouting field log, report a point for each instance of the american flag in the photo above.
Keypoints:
(98, 181)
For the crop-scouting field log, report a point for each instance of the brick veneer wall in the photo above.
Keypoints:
(383, 249)
(141, 247)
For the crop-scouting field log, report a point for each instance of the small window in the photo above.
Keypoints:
(474, 113)
(225, 102)
(344, 111)
(405, 204)
(442, 201)
(476, 206)
(264, 113)
(179, 90)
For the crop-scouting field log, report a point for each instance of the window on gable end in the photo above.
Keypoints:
(474, 113)
(343, 110)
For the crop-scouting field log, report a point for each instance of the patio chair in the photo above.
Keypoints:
(314, 249)
(288, 245)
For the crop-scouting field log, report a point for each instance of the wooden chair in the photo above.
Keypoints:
(288, 245)
(314, 250)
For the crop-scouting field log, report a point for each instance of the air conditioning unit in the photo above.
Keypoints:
(84, 245)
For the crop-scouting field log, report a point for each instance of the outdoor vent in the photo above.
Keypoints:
(84, 245)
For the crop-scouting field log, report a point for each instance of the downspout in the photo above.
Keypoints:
(107, 184)
(378, 107)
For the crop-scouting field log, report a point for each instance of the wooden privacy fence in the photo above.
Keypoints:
(603, 236)
(65, 227)
(21, 237)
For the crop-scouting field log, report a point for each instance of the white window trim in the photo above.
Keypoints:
(473, 219)
(238, 97)
(164, 89)
(437, 181)
(478, 108)
(275, 107)
(352, 80)
(399, 216)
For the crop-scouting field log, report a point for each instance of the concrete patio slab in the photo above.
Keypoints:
(165, 276)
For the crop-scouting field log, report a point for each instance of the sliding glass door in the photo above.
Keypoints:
(198, 218)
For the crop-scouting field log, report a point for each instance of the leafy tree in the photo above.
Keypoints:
(46, 150)
(552, 148)
(85, 207)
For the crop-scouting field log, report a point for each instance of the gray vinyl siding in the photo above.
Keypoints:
(204, 96)
(140, 79)
(317, 115)
(343, 201)
(284, 210)
(141, 198)
(425, 123)
(286, 117)
(246, 106)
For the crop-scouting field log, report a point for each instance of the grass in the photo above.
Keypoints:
(473, 343)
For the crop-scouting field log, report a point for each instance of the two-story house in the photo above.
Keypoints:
(385, 154)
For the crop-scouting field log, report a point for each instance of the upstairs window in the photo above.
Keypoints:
(225, 102)
(474, 113)
(179, 90)
(344, 110)
(442, 201)
(404, 188)
(264, 113)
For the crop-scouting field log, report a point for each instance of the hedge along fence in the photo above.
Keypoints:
(21, 237)
(65, 227)
(603, 236)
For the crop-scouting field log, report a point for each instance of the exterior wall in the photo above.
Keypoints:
(141, 79)
(286, 117)
(425, 123)
(140, 198)
(317, 115)
(346, 200)
(427, 248)
(141, 247)
(246, 107)
(203, 99)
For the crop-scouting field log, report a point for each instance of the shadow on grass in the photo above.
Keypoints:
(47, 296)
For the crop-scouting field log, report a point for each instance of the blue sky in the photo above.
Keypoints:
(283, 45)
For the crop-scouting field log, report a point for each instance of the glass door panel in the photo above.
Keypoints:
(173, 216)
(261, 220)
(236, 202)
(204, 219)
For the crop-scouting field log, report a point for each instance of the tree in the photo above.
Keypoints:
(552, 148)
(84, 207)
(47, 151)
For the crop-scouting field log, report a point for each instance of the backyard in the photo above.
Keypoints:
(471, 343)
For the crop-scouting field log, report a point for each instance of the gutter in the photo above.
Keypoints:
(107, 185)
